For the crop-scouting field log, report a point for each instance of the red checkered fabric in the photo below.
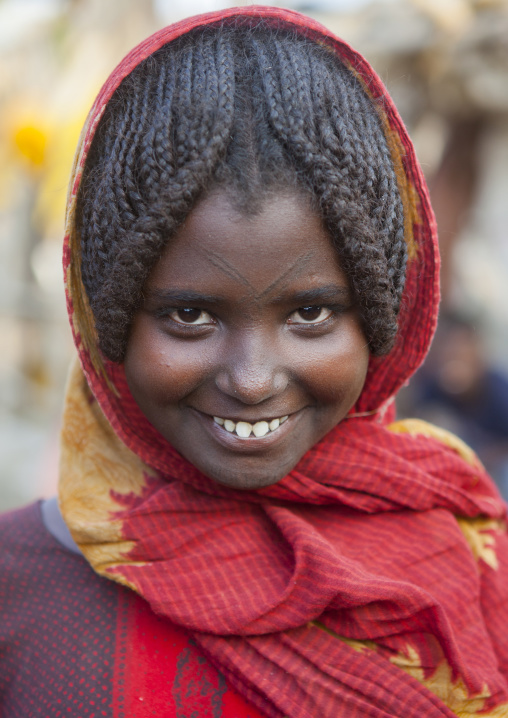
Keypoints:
(373, 579)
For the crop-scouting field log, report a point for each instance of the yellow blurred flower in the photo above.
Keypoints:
(31, 142)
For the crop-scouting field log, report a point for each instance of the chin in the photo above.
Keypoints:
(247, 478)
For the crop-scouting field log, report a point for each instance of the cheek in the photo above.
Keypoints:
(335, 373)
(162, 371)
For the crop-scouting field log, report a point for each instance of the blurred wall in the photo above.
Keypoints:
(444, 61)
(54, 56)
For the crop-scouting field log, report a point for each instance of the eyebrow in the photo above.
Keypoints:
(328, 293)
(188, 297)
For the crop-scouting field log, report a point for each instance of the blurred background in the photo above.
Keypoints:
(445, 63)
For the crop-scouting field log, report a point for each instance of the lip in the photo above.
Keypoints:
(253, 444)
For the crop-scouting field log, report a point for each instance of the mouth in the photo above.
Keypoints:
(245, 430)
(250, 437)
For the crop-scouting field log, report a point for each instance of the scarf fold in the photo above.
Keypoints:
(373, 579)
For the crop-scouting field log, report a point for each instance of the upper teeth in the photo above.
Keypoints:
(243, 429)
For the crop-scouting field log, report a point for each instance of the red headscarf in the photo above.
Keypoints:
(370, 581)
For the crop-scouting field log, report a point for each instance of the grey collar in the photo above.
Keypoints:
(53, 521)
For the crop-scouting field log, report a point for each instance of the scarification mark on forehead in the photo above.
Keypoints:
(229, 270)
(293, 272)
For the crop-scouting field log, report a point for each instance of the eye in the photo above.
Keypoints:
(310, 315)
(191, 315)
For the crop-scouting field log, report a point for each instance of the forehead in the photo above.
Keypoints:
(282, 244)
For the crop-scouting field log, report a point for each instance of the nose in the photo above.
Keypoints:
(253, 371)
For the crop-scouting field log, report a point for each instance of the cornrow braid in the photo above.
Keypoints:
(136, 196)
(338, 177)
(250, 109)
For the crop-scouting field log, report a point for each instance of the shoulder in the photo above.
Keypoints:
(34, 566)
(23, 535)
(21, 525)
(22, 532)
(58, 616)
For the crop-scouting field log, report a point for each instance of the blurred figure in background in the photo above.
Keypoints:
(461, 391)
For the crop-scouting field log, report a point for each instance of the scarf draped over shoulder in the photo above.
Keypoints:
(370, 581)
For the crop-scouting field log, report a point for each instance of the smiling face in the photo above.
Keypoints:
(248, 319)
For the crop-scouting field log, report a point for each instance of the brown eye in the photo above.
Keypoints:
(310, 315)
(190, 315)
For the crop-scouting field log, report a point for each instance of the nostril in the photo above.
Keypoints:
(251, 387)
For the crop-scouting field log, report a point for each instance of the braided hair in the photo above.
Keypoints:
(249, 109)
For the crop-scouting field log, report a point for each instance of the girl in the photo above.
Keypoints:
(251, 271)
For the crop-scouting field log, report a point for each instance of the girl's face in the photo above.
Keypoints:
(248, 348)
